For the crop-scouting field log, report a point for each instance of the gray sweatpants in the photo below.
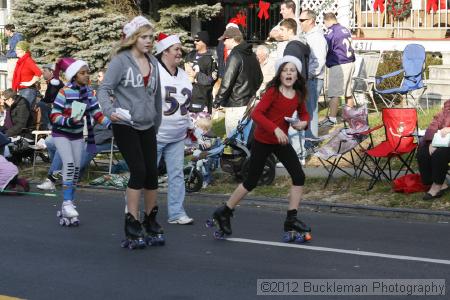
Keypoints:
(70, 152)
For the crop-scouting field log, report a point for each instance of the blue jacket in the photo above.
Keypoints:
(12, 42)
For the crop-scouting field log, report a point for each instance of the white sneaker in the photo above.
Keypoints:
(184, 220)
(46, 185)
(68, 210)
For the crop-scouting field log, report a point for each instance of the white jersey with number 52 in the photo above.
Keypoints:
(176, 92)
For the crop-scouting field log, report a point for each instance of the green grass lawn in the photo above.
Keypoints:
(339, 190)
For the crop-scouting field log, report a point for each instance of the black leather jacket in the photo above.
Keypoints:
(242, 77)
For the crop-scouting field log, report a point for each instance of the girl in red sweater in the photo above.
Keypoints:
(285, 94)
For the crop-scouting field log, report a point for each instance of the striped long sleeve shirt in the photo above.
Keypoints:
(62, 109)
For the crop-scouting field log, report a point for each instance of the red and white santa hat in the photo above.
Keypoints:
(70, 66)
(164, 41)
(134, 25)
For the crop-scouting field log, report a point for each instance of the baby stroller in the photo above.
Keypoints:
(234, 154)
(21, 149)
(195, 171)
(10, 183)
(236, 160)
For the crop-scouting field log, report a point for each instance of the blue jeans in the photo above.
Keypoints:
(56, 164)
(174, 158)
(56, 160)
(45, 115)
(315, 86)
(29, 94)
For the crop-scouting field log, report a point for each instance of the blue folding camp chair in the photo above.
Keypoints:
(413, 62)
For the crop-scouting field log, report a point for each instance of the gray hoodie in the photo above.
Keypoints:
(125, 84)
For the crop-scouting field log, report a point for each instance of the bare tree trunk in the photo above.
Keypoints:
(153, 7)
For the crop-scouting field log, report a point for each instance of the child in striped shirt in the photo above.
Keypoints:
(67, 129)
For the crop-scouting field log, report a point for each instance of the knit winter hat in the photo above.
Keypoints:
(203, 36)
(164, 41)
(286, 59)
(70, 66)
(23, 45)
(132, 26)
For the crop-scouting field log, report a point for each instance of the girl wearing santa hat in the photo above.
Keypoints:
(176, 89)
(132, 80)
(73, 102)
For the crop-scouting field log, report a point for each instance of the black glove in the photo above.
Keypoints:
(72, 121)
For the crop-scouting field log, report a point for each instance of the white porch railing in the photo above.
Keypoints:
(421, 23)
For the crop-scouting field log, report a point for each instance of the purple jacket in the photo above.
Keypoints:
(7, 172)
(340, 50)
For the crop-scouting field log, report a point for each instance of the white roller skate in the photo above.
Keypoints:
(68, 215)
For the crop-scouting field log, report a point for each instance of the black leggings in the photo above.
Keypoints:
(285, 154)
(433, 168)
(138, 148)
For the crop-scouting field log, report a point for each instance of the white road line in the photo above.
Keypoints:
(354, 252)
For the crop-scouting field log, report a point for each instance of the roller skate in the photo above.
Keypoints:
(154, 231)
(68, 215)
(221, 219)
(295, 230)
(134, 233)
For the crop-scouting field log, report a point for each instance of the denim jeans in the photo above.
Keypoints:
(314, 88)
(29, 94)
(56, 164)
(174, 158)
(45, 115)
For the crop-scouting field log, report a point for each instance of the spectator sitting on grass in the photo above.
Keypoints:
(18, 117)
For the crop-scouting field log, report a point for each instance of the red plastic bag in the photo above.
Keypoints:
(410, 183)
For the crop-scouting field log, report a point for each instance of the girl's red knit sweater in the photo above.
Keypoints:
(270, 112)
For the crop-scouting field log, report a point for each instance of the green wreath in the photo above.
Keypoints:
(400, 9)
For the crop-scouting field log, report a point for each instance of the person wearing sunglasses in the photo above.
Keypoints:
(316, 68)
(201, 68)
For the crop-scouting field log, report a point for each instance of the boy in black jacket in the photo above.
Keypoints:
(201, 67)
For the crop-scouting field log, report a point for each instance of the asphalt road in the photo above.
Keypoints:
(41, 260)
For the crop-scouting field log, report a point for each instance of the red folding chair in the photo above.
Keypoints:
(400, 125)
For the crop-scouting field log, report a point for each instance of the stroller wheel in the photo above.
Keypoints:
(193, 179)
(268, 174)
(44, 157)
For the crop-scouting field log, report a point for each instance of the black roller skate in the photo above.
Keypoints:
(134, 233)
(154, 231)
(68, 215)
(295, 230)
(221, 219)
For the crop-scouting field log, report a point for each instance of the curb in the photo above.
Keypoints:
(352, 209)
(317, 206)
